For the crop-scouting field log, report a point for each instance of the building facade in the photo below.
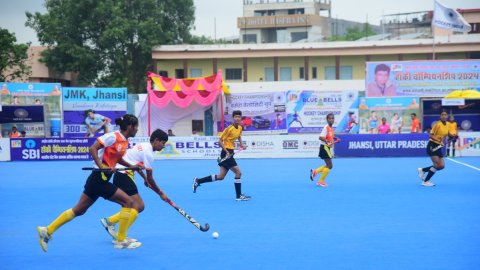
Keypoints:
(306, 61)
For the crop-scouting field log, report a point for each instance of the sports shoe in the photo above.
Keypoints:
(420, 173)
(195, 185)
(322, 184)
(128, 239)
(428, 184)
(109, 227)
(313, 173)
(243, 197)
(126, 244)
(44, 237)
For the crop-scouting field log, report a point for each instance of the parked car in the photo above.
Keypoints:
(260, 122)
(246, 122)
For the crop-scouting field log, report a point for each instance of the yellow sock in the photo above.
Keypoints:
(114, 218)
(64, 217)
(123, 223)
(324, 174)
(319, 169)
(133, 217)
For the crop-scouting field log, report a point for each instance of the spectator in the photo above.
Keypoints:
(38, 102)
(415, 124)
(14, 133)
(194, 132)
(170, 133)
(23, 134)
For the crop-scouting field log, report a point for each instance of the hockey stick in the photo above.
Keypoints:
(109, 169)
(189, 218)
(220, 160)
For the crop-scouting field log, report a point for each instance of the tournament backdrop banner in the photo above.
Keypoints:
(46, 94)
(108, 102)
(307, 110)
(261, 112)
(421, 78)
(396, 110)
(50, 149)
(4, 149)
(382, 145)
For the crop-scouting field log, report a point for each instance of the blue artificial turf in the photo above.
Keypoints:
(374, 215)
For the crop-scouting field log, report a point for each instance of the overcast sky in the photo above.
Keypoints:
(223, 13)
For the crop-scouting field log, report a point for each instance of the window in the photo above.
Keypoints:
(269, 76)
(314, 73)
(296, 36)
(233, 73)
(346, 72)
(197, 125)
(163, 73)
(301, 73)
(285, 74)
(249, 38)
(179, 73)
(195, 72)
(330, 73)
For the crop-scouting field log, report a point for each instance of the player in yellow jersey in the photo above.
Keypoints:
(327, 139)
(227, 143)
(434, 150)
(453, 136)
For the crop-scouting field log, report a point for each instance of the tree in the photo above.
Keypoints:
(107, 42)
(354, 33)
(13, 57)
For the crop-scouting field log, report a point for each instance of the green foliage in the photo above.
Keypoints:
(354, 33)
(207, 40)
(110, 42)
(13, 57)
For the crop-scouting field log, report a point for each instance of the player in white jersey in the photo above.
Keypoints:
(140, 154)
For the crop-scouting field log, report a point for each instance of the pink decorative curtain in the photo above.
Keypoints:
(182, 92)
(172, 98)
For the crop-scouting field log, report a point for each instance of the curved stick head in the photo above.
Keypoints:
(205, 228)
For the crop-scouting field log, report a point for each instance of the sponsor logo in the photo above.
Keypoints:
(310, 144)
(290, 144)
(16, 143)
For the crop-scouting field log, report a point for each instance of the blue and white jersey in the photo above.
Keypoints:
(97, 119)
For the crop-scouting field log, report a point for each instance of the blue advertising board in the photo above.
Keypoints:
(382, 145)
(108, 103)
(50, 149)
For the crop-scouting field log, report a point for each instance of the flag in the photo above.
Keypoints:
(449, 18)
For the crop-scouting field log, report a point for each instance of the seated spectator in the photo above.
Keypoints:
(23, 134)
(14, 133)
(170, 133)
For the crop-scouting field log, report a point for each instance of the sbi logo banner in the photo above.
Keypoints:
(30, 152)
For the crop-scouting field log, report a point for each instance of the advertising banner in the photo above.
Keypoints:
(382, 145)
(4, 149)
(307, 110)
(105, 103)
(261, 112)
(396, 111)
(468, 144)
(50, 149)
(22, 114)
(46, 94)
(421, 78)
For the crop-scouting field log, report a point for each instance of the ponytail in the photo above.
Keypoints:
(126, 120)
